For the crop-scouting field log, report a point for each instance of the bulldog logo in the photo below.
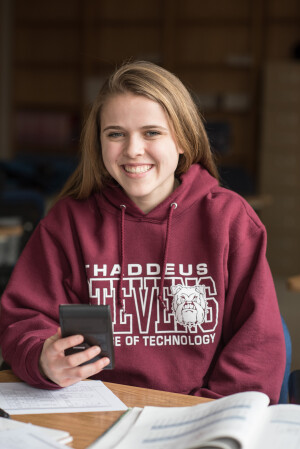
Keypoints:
(189, 304)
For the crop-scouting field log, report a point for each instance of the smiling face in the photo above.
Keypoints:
(138, 148)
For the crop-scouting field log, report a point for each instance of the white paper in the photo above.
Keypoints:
(282, 429)
(167, 428)
(18, 398)
(13, 439)
(118, 430)
(56, 435)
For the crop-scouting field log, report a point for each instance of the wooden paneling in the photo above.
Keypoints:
(218, 49)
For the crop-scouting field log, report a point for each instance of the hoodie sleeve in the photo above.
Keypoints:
(30, 303)
(252, 351)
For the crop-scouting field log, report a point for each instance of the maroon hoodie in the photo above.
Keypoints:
(193, 303)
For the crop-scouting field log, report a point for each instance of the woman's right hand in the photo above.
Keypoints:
(66, 370)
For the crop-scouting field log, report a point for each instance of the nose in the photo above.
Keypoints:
(134, 146)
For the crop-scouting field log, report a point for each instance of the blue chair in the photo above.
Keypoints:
(284, 394)
(25, 208)
(294, 387)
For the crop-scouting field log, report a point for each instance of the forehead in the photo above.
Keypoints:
(127, 106)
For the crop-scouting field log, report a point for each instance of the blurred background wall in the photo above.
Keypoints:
(239, 58)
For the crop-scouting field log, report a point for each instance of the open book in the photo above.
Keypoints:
(240, 421)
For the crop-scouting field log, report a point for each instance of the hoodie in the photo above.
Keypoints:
(193, 303)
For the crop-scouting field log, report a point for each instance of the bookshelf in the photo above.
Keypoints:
(64, 49)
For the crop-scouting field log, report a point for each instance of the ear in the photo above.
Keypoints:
(175, 288)
(200, 289)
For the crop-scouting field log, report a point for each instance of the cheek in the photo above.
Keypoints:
(168, 157)
(172, 162)
(108, 164)
(105, 160)
(109, 155)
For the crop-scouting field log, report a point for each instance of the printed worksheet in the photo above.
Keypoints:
(18, 398)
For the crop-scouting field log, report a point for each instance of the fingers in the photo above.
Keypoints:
(81, 357)
(83, 372)
(67, 370)
(61, 344)
(76, 363)
(79, 373)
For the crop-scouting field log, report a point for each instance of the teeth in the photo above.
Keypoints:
(137, 169)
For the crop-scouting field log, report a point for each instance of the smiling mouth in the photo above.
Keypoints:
(137, 168)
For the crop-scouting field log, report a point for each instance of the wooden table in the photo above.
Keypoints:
(86, 427)
(293, 283)
(11, 231)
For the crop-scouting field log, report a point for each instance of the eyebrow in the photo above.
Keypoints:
(112, 127)
(143, 127)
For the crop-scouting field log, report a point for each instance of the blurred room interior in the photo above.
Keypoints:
(241, 61)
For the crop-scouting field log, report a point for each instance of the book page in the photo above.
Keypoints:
(235, 416)
(282, 429)
(121, 427)
(117, 431)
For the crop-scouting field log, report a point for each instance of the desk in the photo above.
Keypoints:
(11, 231)
(293, 283)
(86, 427)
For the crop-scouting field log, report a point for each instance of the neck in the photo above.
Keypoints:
(147, 204)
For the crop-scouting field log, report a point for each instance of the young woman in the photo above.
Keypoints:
(143, 225)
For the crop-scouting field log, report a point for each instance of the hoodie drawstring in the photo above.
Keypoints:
(120, 292)
(173, 206)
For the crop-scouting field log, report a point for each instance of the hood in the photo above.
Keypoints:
(195, 185)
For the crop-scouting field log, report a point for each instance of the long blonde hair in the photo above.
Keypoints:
(154, 82)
